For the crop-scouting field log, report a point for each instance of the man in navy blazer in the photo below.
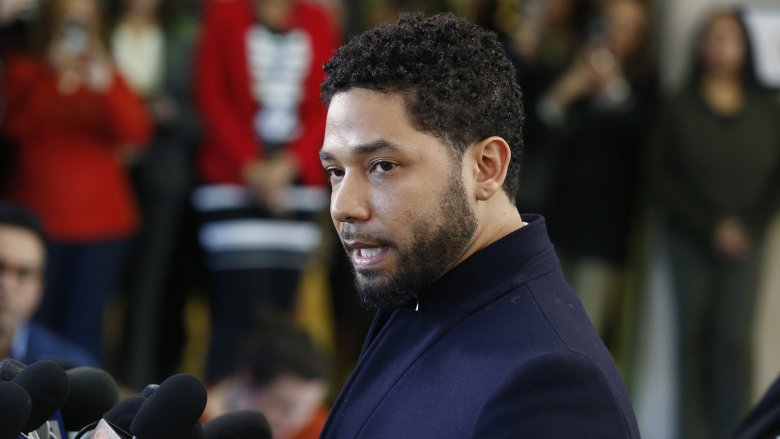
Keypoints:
(22, 262)
(477, 334)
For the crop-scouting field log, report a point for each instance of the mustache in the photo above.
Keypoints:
(351, 232)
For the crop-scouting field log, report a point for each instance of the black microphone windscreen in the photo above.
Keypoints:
(48, 386)
(149, 390)
(123, 413)
(15, 407)
(196, 432)
(242, 424)
(10, 368)
(92, 392)
(172, 410)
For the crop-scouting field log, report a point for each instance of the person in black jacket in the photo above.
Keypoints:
(477, 333)
(22, 261)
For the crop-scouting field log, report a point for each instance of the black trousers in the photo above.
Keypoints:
(715, 298)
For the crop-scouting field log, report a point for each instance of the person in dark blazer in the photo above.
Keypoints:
(763, 420)
(477, 333)
(22, 261)
(36, 342)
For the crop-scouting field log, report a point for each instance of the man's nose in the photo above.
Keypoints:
(8, 280)
(349, 200)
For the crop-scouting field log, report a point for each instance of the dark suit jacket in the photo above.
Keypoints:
(763, 420)
(499, 348)
(43, 344)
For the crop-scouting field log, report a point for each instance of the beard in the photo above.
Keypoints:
(435, 242)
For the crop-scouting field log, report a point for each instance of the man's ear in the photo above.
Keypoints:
(491, 158)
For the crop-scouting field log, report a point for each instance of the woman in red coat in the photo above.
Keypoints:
(77, 123)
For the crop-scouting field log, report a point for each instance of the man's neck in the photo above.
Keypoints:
(498, 218)
(724, 94)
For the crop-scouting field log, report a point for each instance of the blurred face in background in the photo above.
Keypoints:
(75, 26)
(10, 10)
(83, 12)
(626, 23)
(143, 7)
(558, 13)
(273, 13)
(723, 46)
(288, 402)
(22, 257)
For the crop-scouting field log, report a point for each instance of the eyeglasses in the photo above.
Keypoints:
(23, 274)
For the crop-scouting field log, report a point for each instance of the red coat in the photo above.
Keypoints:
(68, 170)
(227, 105)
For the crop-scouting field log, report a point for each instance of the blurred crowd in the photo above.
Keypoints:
(159, 152)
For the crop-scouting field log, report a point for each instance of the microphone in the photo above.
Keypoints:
(149, 390)
(15, 407)
(241, 424)
(48, 387)
(10, 368)
(173, 410)
(105, 430)
(196, 432)
(115, 423)
(122, 414)
(93, 392)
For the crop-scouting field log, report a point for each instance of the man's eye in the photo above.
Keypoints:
(383, 167)
(333, 173)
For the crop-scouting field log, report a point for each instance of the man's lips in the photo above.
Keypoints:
(366, 255)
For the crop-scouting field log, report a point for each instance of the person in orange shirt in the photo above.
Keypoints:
(77, 124)
(280, 373)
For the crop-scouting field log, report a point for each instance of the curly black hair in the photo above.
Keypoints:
(456, 79)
